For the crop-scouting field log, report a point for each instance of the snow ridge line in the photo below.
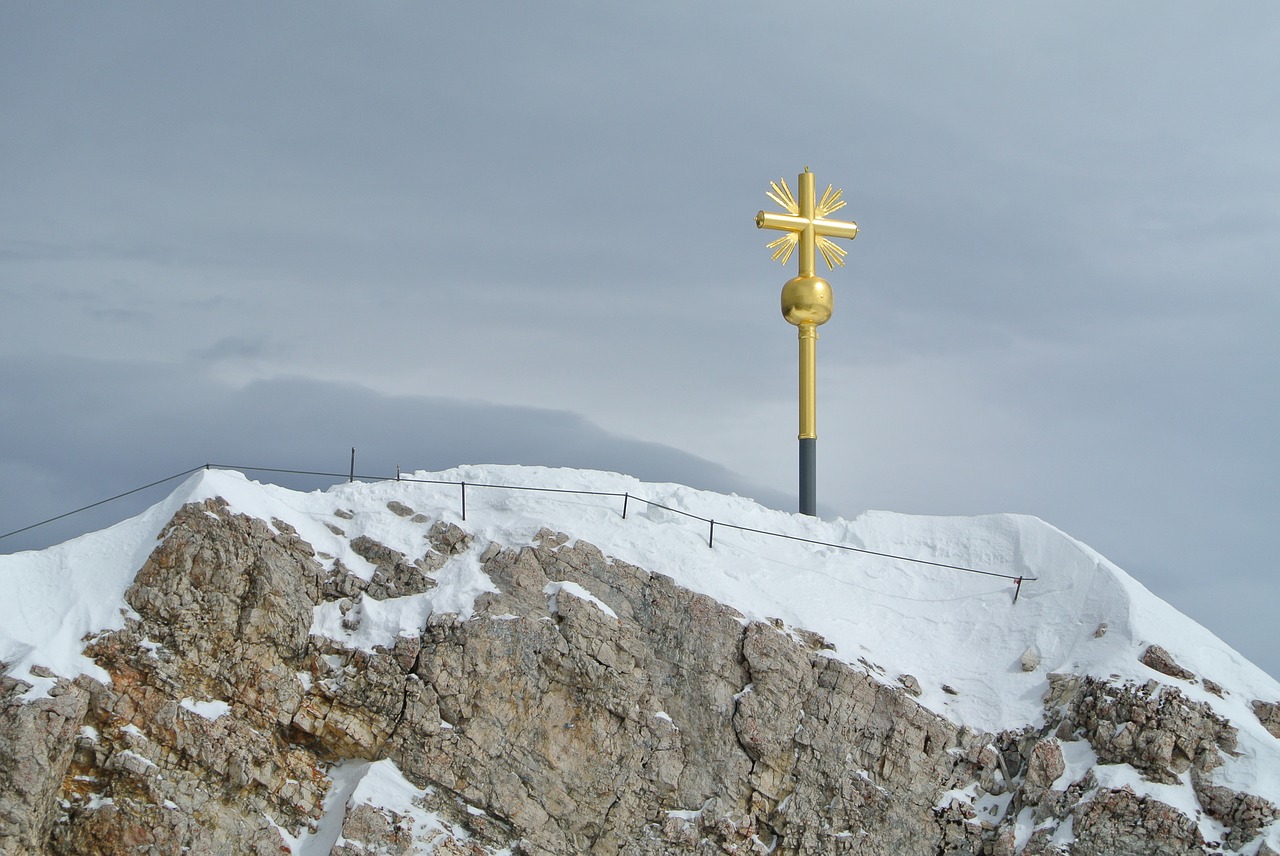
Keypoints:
(625, 497)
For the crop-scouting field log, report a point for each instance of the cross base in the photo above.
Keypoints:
(809, 476)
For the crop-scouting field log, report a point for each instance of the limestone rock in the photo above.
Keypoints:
(37, 740)
(395, 576)
(1030, 660)
(448, 538)
(1043, 768)
(399, 509)
(1119, 822)
(1155, 728)
(1159, 659)
(1244, 814)
(1268, 713)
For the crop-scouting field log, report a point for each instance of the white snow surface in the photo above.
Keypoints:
(553, 589)
(379, 784)
(210, 710)
(942, 626)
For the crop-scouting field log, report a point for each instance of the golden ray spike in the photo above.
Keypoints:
(831, 252)
(839, 251)
(783, 203)
(782, 196)
(826, 258)
(786, 244)
(792, 205)
(826, 199)
(830, 202)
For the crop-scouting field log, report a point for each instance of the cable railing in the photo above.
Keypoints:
(625, 497)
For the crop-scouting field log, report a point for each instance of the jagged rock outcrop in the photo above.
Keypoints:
(640, 718)
(1162, 661)
(1268, 713)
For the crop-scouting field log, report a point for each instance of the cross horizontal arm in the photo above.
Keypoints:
(835, 228)
(781, 222)
(792, 223)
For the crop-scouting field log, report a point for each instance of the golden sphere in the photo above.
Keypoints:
(806, 300)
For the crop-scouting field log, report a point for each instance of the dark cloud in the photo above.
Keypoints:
(81, 431)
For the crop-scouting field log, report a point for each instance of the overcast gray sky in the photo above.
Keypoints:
(467, 233)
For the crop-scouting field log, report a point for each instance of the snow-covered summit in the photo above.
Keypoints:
(961, 636)
(1075, 611)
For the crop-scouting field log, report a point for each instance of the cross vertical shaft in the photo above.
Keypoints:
(805, 190)
(807, 334)
(808, 437)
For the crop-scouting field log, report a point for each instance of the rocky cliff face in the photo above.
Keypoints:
(586, 706)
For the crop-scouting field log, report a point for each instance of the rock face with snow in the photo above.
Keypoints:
(357, 672)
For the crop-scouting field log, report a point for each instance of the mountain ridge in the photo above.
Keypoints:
(988, 665)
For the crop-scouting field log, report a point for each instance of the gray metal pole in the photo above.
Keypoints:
(809, 476)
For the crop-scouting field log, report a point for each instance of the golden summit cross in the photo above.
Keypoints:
(806, 299)
(806, 224)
